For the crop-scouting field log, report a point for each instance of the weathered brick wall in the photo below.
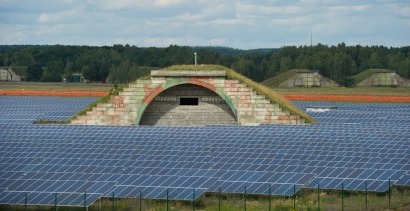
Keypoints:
(130, 106)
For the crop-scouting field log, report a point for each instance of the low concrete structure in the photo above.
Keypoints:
(78, 78)
(187, 98)
(7, 74)
(308, 78)
(382, 77)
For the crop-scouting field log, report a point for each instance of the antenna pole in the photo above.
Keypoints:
(311, 39)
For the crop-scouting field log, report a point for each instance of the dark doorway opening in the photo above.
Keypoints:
(188, 101)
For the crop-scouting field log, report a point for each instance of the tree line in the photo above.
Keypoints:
(124, 62)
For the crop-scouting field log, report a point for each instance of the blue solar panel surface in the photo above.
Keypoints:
(359, 145)
(26, 109)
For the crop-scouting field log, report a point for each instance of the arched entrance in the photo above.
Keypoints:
(188, 105)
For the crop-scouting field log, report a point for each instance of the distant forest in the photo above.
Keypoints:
(126, 63)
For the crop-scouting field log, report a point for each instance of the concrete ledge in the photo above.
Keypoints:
(187, 73)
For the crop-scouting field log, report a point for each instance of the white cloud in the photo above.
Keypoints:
(240, 24)
(209, 12)
(190, 17)
(124, 4)
(68, 15)
(292, 22)
(52, 30)
(166, 41)
(348, 8)
(262, 10)
(405, 11)
(227, 22)
(140, 4)
(218, 41)
(166, 3)
(14, 34)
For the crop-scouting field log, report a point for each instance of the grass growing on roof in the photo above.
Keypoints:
(362, 75)
(230, 74)
(277, 80)
(113, 92)
(367, 73)
(259, 88)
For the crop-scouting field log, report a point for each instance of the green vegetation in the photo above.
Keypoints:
(362, 75)
(115, 90)
(259, 88)
(384, 77)
(127, 71)
(306, 199)
(125, 62)
(348, 82)
(34, 73)
(20, 70)
(275, 81)
(44, 122)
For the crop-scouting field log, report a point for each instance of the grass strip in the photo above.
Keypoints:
(277, 80)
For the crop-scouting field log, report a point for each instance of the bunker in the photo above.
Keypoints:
(383, 77)
(188, 98)
(7, 74)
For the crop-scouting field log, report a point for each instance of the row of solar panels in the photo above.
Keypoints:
(27, 108)
(354, 112)
(44, 159)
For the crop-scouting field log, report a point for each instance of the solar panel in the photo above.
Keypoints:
(357, 145)
(26, 109)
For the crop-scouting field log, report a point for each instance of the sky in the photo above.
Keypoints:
(242, 24)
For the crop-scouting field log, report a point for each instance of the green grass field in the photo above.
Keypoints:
(275, 81)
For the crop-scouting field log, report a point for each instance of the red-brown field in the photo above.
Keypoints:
(53, 93)
(307, 97)
(349, 98)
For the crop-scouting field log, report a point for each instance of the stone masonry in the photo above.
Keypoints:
(216, 100)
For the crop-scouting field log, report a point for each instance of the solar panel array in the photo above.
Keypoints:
(26, 109)
(84, 163)
(380, 113)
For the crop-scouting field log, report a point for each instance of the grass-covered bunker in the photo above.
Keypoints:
(194, 96)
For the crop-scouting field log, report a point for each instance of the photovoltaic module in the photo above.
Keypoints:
(358, 145)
